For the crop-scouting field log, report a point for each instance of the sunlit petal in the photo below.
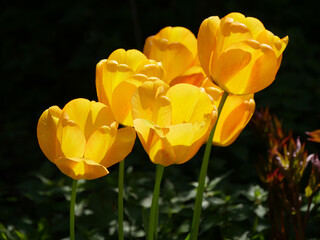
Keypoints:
(81, 168)
(100, 142)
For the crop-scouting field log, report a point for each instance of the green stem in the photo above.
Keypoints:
(203, 174)
(72, 206)
(120, 200)
(153, 218)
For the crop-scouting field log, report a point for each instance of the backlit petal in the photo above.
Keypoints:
(246, 67)
(236, 113)
(88, 115)
(109, 73)
(207, 41)
(81, 168)
(175, 48)
(71, 141)
(132, 58)
(100, 142)
(189, 103)
(187, 138)
(143, 99)
(121, 147)
(47, 131)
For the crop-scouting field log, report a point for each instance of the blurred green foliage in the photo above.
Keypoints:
(49, 50)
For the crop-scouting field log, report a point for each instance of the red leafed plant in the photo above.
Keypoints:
(282, 173)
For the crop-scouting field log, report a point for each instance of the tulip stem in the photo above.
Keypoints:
(72, 207)
(203, 174)
(153, 218)
(120, 200)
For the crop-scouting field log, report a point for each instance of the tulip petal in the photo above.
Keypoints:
(100, 142)
(246, 67)
(81, 168)
(109, 73)
(235, 114)
(47, 131)
(186, 139)
(89, 115)
(230, 32)
(194, 76)
(162, 111)
(254, 24)
(175, 48)
(153, 142)
(189, 103)
(71, 142)
(121, 99)
(207, 41)
(133, 58)
(121, 147)
(175, 58)
(161, 152)
(143, 99)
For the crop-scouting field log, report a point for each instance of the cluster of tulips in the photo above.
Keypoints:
(181, 92)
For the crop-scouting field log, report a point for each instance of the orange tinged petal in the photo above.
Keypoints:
(81, 168)
(121, 147)
(235, 115)
(47, 131)
(207, 41)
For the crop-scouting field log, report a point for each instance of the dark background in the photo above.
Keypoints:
(49, 51)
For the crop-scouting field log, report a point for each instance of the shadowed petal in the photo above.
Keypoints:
(47, 131)
(81, 168)
(236, 113)
(121, 147)
(207, 41)
(100, 142)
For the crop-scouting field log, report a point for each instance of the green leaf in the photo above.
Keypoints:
(145, 219)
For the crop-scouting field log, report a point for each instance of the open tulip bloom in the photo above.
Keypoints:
(119, 76)
(83, 140)
(238, 53)
(172, 123)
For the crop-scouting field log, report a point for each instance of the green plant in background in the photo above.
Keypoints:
(283, 172)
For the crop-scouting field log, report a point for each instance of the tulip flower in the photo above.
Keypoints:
(172, 122)
(83, 138)
(175, 48)
(235, 114)
(118, 77)
(238, 53)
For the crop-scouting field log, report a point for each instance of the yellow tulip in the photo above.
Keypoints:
(238, 53)
(236, 112)
(172, 122)
(83, 138)
(175, 48)
(118, 77)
